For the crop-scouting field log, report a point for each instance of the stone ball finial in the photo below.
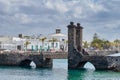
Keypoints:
(71, 23)
(78, 24)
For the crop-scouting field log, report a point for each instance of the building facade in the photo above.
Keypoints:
(53, 42)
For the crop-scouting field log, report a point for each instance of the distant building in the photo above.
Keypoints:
(61, 40)
(11, 43)
(53, 42)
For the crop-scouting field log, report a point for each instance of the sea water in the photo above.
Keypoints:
(58, 72)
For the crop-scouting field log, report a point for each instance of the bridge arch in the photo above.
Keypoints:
(89, 65)
(27, 63)
(86, 64)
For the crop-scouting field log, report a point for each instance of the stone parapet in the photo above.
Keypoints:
(16, 59)
(77, 60)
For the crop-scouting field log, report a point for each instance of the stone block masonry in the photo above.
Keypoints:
(24, 59)
(77, 59)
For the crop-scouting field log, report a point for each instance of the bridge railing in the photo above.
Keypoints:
(60, 54)
(101, 52)
(56, 55)
(32, 52)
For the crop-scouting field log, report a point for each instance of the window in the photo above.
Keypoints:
(52, 44)
(36, 47)
(63, 39)
(45, 44)
(56, 45)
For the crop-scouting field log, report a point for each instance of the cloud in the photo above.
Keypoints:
(35, 16)
(60, 7)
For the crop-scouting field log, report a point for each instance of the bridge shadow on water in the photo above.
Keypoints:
(27, 63)
(85, 74)
(82, 73)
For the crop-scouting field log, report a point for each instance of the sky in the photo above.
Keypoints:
(44, 16)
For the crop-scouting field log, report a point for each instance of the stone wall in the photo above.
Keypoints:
(15, 59)
(101, 53)
(77, 59)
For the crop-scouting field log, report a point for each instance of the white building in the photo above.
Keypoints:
(11, 43)
(53, 42)
(36, 44)
(61, 40)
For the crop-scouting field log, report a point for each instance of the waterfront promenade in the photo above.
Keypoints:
(41, 59)
(52, 55)
(61, 54)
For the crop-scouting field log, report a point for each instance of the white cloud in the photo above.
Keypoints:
(113, 24)
(49, 5)
(59, 6)
(96, 7)
(99, 16)
(22, 18)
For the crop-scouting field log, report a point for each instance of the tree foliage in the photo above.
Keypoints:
(26, 44)
(43, 40)
(53, 40)
(98, 43)
(116, 42)
(85, 44)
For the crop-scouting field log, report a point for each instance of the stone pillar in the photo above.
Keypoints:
(71, 38)
(79, 37)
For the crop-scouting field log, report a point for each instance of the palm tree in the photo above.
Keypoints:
(117, 43)
(27, 37)
(26, 44)
(43, 40)
(112, 45)
(85, 44)
(97, 43)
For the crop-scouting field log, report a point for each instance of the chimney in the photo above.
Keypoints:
(20, 35)
(58, 31)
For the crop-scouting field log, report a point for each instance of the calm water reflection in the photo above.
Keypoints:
(92, 75)
(59, 72)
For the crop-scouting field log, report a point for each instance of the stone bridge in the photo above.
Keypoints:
(77, 57)
(55, 55)
(102, 62)
(24, 59)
